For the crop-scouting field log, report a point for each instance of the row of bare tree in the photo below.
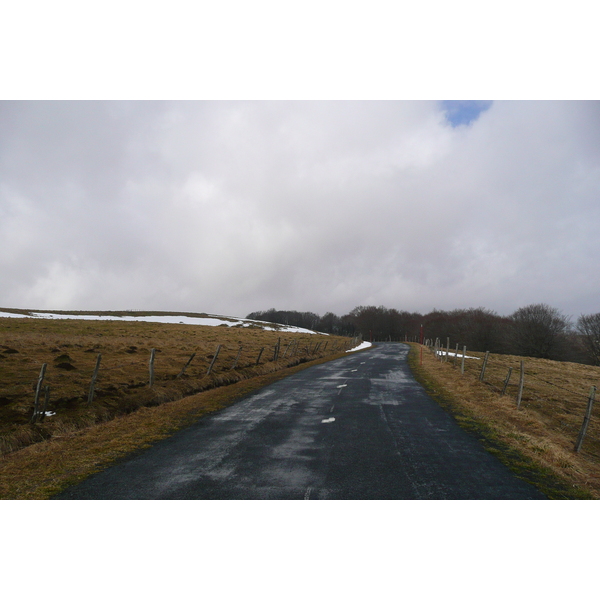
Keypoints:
(536, 330)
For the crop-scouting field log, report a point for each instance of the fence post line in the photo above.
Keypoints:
(521, 384)
(151, 368)
(484, 365)
(38, 389)
(214, 359)
(507, 380)
(586, 419)
(93, 382)
(447, 349)
(462, 366)
(455, 355)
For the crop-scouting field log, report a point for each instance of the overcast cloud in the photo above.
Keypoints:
(232, 207)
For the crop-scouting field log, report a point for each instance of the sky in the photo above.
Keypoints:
(229, 207)
(305, 171)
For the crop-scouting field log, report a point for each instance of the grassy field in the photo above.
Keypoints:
(70, 349)
(537, 440)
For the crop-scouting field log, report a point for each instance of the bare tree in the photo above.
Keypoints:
(539, 331)
(589, 328)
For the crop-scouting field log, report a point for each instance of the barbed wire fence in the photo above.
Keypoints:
(571, 406)
(39, 379)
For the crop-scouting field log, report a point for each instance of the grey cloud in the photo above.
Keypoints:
(230, 207)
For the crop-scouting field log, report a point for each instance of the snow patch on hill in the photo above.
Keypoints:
(208, 320)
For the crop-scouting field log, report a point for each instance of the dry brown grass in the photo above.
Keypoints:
(122, 385)
(41, 470)
(544, 429)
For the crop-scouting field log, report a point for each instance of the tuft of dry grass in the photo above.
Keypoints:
(537, 439)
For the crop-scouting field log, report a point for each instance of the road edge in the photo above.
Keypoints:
(525, 468)
(45, 469)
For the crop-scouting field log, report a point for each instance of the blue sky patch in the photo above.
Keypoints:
(464, 112)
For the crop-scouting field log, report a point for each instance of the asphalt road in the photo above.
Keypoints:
(355, 428)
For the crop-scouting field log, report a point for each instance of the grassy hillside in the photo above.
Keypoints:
(537, 440)
(70, 349)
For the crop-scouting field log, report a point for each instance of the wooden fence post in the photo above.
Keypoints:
(187, 364)
(151, 368)
(455, 355)
(235, 362)
(521, 384)
(462, 366)
(586, 419)
(507, 380)
(93, 382)
(484, 365)
(46, 400)
(214, 359)
(447, 349)
(259, 355)
(38, 389)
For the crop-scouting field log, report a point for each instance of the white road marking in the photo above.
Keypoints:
(307, 495)
(332, 407)
(330, 420)
(353, 370)
(343, 385)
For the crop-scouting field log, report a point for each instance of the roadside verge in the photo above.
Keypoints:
(481, 412)
(44, 469)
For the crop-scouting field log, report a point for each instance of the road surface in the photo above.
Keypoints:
(356, 428)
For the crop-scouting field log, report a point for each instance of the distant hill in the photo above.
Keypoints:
(185, 318)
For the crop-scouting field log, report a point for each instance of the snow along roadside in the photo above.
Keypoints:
(361, 347)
